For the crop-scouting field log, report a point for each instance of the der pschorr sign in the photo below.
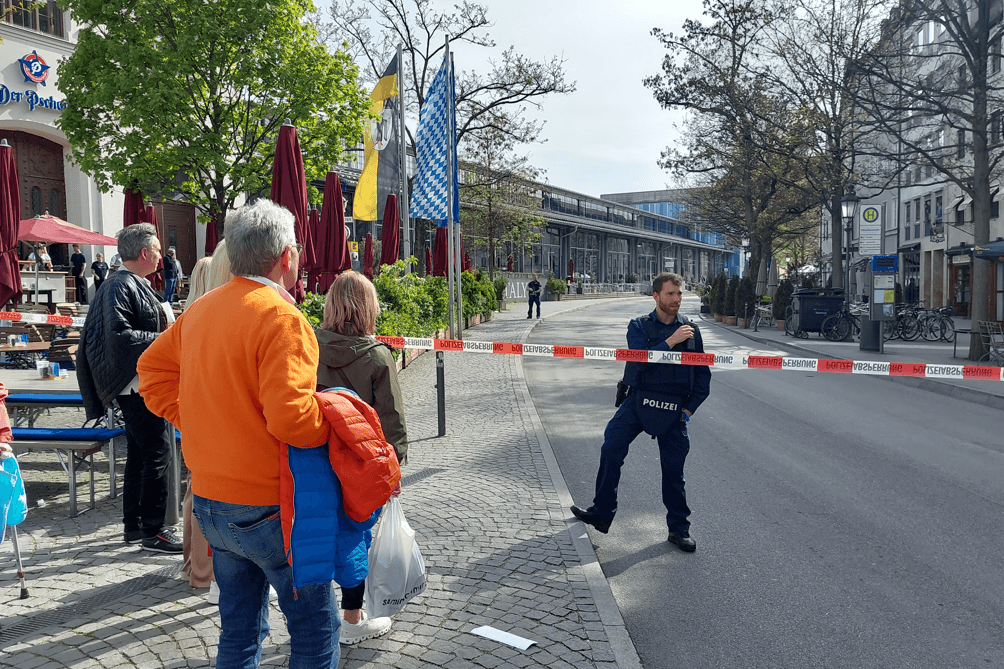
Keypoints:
(30, 98)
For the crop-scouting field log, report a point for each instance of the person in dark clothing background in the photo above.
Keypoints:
(78, 260)
(660, 400)
(172, 273)
(124, 320)
(99, 269)
(533, 293)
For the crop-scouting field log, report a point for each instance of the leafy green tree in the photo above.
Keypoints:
(188, 96)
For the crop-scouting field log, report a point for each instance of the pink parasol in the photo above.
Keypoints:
(440, 252)
(368, 257)
(390, 238)
(331, 245)
(10, 206)
(289, 188)
(52, 230)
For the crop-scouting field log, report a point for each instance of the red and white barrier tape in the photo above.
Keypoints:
(43, 319)
(719, 360)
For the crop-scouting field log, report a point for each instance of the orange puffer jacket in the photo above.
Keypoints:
(364, 462)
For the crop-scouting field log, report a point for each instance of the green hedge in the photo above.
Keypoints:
(413, 305)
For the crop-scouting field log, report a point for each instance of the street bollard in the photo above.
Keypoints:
(441, 393)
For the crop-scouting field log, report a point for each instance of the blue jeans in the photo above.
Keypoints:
(674, 446)
(248, 555)
(169, 287)
(534, 299)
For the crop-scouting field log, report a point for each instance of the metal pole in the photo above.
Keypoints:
(173, 514)
(456, 259)
(402, 141)
(441, 393)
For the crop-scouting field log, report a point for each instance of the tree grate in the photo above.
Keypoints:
(15, 629)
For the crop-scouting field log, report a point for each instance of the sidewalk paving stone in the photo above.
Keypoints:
(486, 502)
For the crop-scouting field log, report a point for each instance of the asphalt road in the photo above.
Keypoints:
(841, 521)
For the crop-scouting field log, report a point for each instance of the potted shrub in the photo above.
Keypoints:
(730, 300)
(782, 300)
(501, 283)
(745, 301)
(556, 287)
(718, 301)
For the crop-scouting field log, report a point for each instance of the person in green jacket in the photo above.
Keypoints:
(350, 357)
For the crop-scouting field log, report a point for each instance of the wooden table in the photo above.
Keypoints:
(44, 291)
(24, 357)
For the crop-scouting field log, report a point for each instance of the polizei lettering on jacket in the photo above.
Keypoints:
(658, 404)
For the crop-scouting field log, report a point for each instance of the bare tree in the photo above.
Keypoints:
(741, 136)
(500, 193)
(933, 84)
(373, 29)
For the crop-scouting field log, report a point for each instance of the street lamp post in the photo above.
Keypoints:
(848, 208)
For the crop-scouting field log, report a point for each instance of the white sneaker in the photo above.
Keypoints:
(366, 628)
(213, 596)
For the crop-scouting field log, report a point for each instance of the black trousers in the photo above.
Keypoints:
(80, 286)
(352, 598)
(148, 458)
(534, 298)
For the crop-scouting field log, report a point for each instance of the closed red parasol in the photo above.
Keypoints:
(440, 252)
(368, 257)
(157, 278)
(289, 188)
(10, 205)
(428, 261)
(390, 237)
(331, 246)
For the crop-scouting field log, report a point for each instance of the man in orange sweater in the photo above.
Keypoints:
(236, 374)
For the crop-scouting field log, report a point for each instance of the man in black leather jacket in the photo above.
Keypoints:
(123, 320)
(672, 393)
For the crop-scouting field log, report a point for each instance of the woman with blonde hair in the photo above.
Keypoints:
(351, 357)
(209, 273)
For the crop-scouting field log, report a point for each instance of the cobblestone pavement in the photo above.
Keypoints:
(487, 501)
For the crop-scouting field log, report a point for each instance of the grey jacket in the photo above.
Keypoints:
(365, 365)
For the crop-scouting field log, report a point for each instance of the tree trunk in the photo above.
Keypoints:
(836, 244)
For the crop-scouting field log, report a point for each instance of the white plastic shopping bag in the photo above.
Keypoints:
(397, 570)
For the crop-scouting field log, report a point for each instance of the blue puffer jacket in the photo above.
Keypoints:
(322, 543)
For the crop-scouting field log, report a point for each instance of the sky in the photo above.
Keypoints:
(608, 135)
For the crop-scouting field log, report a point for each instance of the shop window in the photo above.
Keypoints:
(45, 17)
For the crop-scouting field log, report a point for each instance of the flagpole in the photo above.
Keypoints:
(450, 272)
(402, 140)
(452, 150)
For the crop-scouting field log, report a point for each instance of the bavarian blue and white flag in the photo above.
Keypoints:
(437, 117)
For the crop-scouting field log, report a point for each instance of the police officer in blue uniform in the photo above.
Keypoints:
(657, 398)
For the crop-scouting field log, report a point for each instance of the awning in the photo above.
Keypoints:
(956, 202)
(961, 249)
(994, 189)
(906, 248)
(992, 250)
(967, 200)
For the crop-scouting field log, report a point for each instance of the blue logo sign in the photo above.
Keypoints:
(34, 68)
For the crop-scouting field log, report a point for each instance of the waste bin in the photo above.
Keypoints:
(811, 306)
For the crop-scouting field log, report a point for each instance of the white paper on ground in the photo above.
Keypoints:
(503, 637)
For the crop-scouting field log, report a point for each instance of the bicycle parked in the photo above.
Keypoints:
(937, 324)
(763, 316)
(843, 324)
